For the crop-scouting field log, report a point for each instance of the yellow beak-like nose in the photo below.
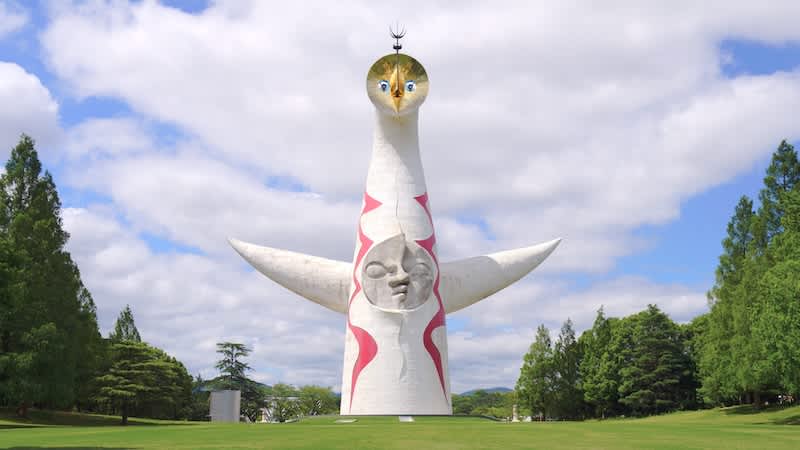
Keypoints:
(396, 101)
(396, 86)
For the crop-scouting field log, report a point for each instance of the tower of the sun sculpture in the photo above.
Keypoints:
(395, 293)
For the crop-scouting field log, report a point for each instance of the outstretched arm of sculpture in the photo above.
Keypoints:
(323, 281)
(470, 280)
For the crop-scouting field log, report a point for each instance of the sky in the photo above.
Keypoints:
(629, 129)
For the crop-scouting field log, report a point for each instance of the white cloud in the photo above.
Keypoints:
(26, 106)
(103, 137)
(186, 303)
(560, 126)
(198, 201)
(544, 120)
(12, 18)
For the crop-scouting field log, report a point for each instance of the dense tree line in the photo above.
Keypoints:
(745, 349)
(50, 346)
(636, 365)
(748, 345)
(51, 352)
(483, 403)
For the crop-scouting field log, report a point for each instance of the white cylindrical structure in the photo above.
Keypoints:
(226, 406)
(395, 360)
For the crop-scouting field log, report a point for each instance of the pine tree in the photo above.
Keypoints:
(537, 383)
(48, 327)
(777, 326)
(755, 373)
(598, 369)
(145, 381)
(652, 380)
(567, 357)
(721, 356)
(737, 355)
(783, 174)
(231, 364)
(125, 327)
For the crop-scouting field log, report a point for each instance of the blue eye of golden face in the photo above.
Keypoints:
(383, 85)
(410, 86)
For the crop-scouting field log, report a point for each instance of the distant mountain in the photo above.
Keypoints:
(488, 390)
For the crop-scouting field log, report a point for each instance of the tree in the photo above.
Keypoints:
(597, 367)
(145, 380)
(695, 335)
(48, 326)
(253, 397)
(233, 377)
(536, 384)
(462, 404)
(653, 378)
(199, 408)
(316, 400)
(231, 365)
(283, 402)
(728, 327)
(736, 359)
(735, 247)
(125, 327)
(566, 363)
(778, 291)
(783, 174)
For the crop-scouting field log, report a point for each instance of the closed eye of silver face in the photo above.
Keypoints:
(376, 270)
(420, 270)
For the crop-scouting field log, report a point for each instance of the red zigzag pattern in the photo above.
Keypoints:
(367, 347)
(438, 320)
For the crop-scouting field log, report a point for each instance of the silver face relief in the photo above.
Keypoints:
(397, 275)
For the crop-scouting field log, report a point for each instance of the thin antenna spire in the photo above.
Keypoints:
(397, 34)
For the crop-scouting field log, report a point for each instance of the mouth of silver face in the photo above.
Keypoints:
(400, 289)
(400, 292)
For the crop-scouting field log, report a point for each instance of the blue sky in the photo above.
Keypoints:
(179, 123)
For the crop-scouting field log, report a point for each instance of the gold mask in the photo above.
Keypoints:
(397, 84)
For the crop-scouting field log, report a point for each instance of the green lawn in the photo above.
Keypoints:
(730, 428)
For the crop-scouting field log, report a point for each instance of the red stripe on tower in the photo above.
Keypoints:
(367, 347)
(438, 319)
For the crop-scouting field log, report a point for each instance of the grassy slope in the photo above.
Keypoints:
(730, 428)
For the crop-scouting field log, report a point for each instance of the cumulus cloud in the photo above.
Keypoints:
(570, 120)
(26, 106)
(12, 18)
(185, 303)
(102, 137)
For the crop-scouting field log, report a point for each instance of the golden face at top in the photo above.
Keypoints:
(397, 84)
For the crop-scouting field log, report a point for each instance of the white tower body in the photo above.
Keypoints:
(395, 361)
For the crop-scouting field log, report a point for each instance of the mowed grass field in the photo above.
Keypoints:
(730, 428)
